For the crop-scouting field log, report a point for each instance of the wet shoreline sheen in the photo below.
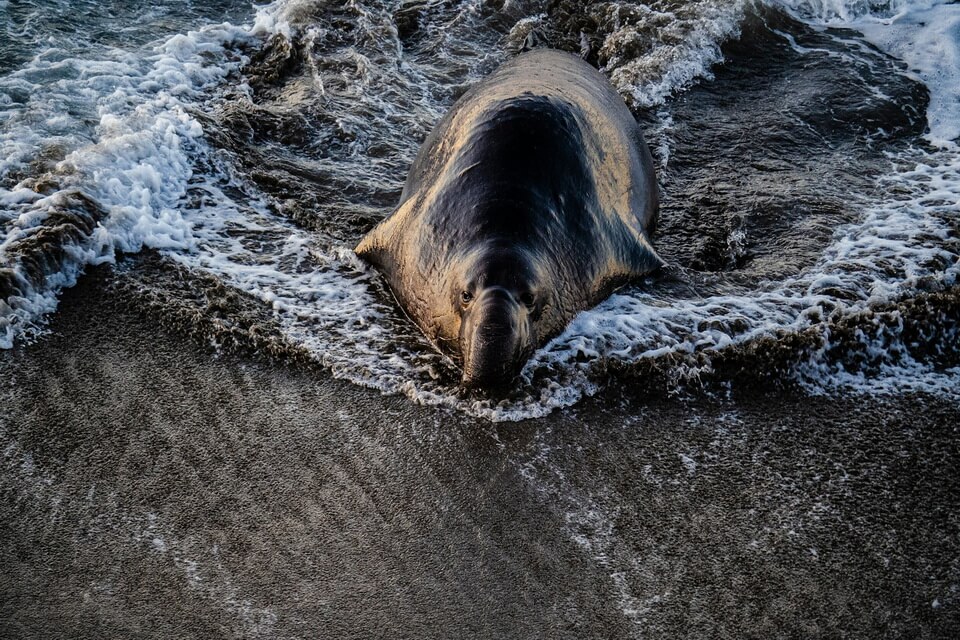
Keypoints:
(155, 487)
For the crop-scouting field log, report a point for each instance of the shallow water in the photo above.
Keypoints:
(809, 178)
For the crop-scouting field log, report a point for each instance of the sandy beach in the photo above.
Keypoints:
(155, 487)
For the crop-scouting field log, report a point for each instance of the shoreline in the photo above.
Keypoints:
(155, 488)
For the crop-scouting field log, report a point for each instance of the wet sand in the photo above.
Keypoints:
(155, 488)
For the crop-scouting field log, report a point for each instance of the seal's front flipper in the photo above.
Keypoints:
(380, 246)
(377, 247)
(643, 258)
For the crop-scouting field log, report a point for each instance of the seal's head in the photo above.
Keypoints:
(499, 302)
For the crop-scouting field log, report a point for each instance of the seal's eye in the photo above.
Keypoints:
(466, 297)
(527, 299)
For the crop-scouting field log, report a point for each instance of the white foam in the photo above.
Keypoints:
(924, 34)
(899, 245)
(323, 299)
(685, 46)
(136, 162)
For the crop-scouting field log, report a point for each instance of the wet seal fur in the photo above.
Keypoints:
(530, 201)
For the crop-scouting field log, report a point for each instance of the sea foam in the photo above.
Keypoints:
(127, 135)
(924, 34)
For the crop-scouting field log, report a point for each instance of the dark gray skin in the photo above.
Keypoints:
(530, 201)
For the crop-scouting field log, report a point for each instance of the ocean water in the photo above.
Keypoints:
(807, 153)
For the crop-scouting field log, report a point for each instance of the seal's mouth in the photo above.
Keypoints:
(495, 339)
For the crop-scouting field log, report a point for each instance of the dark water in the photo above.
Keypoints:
(808, 221)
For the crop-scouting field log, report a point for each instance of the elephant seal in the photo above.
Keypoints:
(530, 201)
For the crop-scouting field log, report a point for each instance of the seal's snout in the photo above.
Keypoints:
(495, 338)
